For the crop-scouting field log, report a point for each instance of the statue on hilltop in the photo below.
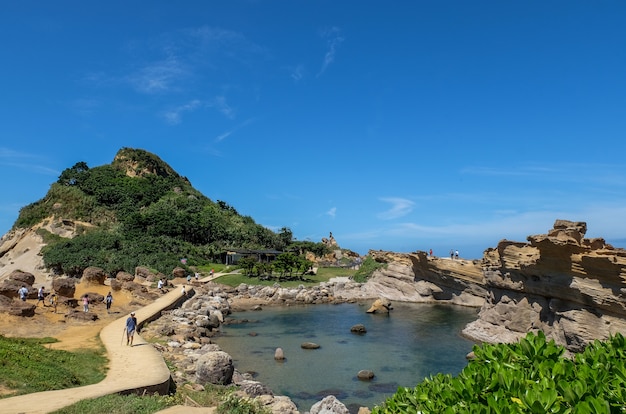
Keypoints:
(330, 241)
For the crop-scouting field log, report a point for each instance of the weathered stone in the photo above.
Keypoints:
(93, 276)
(279, 354)
(358, 329)
(365, 375)
(124, 277)
(64, 286)
(179, 272)
(254, 388)
(309, 345)
(329, 405)
(22, 277)
(381, 305)
(215, 368)
(16, 307)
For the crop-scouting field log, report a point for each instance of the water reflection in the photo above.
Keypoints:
(416, 341)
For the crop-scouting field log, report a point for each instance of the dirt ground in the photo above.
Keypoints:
(72, 334)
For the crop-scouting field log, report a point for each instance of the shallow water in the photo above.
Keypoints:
(413, 342)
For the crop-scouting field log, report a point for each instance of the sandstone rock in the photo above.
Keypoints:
(64, 286)
(9, 288)
(124, 277)
(365, 375)
(93, 276)
(358, 329)
(94, 297)
(254, 388)
(280, 404)
(215, 368)
(22, 277)
(279, 354)
(144, 273)
(309, 345)
(179, 272)
(381, 305)
(16, 307)
(329, 405)
(116, 285)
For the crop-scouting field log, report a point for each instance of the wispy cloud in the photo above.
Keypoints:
(228, 133)
(297, 73)
(332, 212)
(220, 104)
(334, 39)
(399, 207)
(157, 77)
(173, 116)
(25, 161)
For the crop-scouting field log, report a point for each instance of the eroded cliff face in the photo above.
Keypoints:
(570, 287)
(416, 277)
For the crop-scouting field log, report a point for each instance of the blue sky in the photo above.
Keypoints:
(401, 126)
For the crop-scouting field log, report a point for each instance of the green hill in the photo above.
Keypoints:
(137, 211)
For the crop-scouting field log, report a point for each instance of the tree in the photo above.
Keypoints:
(74, 175)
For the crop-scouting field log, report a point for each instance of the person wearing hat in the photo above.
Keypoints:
(131, 326)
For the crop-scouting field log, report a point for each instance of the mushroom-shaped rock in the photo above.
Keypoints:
(179, 272)
(309, 345)
(64, 286)
(124, 277)
(365, 375)
(358, 329)
(279, 354)
(215, 368)
(381, 305)
(329, 405)
(22, 277)
(93, 276)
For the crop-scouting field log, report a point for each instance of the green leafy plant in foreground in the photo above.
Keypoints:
(530, 376)
(27, 366)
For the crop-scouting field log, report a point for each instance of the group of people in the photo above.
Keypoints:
(41, 296)
(454, 254)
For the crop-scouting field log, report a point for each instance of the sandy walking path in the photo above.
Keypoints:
(137, 369)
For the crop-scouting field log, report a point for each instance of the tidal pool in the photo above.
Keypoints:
(413, 342)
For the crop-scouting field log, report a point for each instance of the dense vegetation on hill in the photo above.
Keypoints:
(139, 212)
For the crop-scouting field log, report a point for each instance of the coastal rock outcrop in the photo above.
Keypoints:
(570, 287)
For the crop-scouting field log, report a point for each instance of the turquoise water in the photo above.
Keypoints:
(413, 342)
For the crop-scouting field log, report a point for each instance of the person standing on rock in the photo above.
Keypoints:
(86, 303)
(41, 297)
(108, 300)
(131, 326)
(23, 293)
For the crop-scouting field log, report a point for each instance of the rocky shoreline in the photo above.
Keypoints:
(183, 336)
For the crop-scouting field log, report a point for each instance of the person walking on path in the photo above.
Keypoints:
(41, 297)
(160, 285)
(86, 303)
(131, 326)
(183, 291)
(23, 293)
(108, 300)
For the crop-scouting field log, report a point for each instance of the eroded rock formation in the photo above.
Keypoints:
(570, 287)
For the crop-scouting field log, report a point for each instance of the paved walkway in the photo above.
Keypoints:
(138, 369)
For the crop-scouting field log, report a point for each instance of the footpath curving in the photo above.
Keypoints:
(139, 369)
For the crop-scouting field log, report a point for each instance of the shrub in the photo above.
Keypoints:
(530, 376)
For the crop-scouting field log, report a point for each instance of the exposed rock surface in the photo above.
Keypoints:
(570, 287)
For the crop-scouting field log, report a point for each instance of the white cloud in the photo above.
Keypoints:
(332, 212)
(334, 39)
(157, 77)
(173, 116)
(400, 207)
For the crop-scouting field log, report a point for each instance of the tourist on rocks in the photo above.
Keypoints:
(452, 254)
(41, 297)
(183, 291)
(160, 285)
(456, 254)
(197, 277)
(54, 299)
(86, 303)
(108, 300)
(23, 293)
(189, 278)
(131, 326)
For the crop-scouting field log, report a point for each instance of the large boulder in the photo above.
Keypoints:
(9, 288)
(16, 307)
(179, 272)
(215, 368)
(22, 277)
(64, 286)
(381, 305)
(93, 276)
(124, 277)
(329, 405)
